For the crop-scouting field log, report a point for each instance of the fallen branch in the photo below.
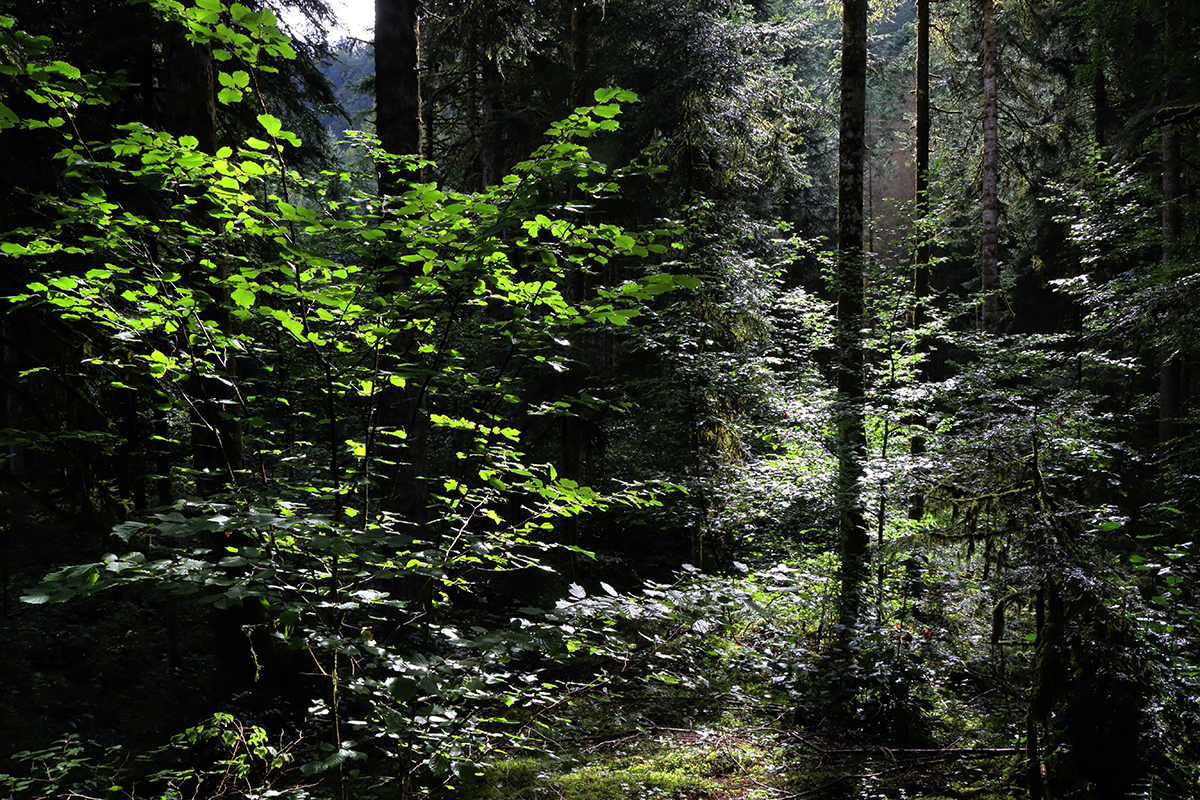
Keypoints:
(926, 752)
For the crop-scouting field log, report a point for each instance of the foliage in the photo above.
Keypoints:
(232, 285)
(236, 761)
(238, 334)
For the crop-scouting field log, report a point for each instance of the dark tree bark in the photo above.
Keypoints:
(989, 268)
(1172, 367)
(471, 95)
(397, 89)
(14, 496)
(851, 443)
(190, 109)
(189, 99)
(1170, 387)
(920, 315)
(398, 125)
(571, 383)
(491, 148)
(580, 30)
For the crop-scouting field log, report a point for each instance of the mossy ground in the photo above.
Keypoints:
(759, 764)
(728, 730)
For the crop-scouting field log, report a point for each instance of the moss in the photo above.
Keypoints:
(674, 775)
(642, 781)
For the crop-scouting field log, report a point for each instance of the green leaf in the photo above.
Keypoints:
(243, 297)
(67, 70)
(606, 94)
(272, 125)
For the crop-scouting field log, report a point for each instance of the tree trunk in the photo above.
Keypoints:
(491, 148)
(1100, 104)
(580, 29)
(14, 419)
(397, 123)
(1171, 368)
(1170, 387)
(571, 383)
(189, 99)
(471, 96)
(851, 444)
(920, 316)
(989, 267)
(397, 89)
(190, 109)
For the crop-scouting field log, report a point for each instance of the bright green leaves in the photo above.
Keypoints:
(274, 128)
(272, 125)
(159, 363)
(233, 85)
(230, 271)
(582, 124)
(330, 309)
(613, 95)
(242, 296)
(233, 32)
(607, 108)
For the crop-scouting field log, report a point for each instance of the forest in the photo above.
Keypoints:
(600, 400)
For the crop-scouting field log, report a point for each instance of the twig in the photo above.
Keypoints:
(948, 752)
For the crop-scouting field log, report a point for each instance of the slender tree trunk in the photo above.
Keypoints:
(471, 96)
(397, 123)
(851, 443)
(571, 443)
(1100, 103)
(1170, 387)
(14, 418)
(1171, 369)
(580, 30)
(190, 109)
(131, 452)
(189, 100)
(990, 236)
(491, 149)
(920, 315)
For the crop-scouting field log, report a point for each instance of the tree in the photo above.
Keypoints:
(397, 89)
(848, 283)
(990, 197)
(921, 288)
(398, 126)
(301, 537)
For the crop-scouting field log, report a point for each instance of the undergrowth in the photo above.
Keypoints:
(708, 687)
(733, 695)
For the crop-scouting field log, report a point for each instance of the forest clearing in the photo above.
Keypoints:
(599, 399)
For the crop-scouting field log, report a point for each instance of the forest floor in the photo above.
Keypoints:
(753, 762)
(728, 692)
(759, 711)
